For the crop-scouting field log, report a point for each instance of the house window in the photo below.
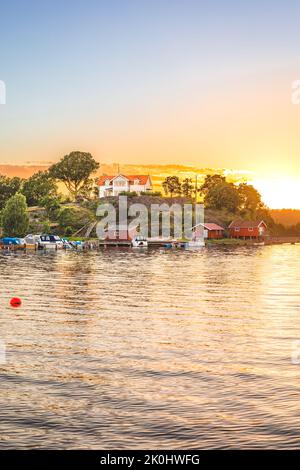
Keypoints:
(107, 182)
(120, 183)
(250, 229)
(136, 182)
(236, 229)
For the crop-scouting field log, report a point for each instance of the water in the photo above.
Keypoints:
(157, 349)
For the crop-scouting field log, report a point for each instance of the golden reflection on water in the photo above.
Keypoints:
(152, 349)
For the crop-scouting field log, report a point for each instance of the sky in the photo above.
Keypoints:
(155, 81)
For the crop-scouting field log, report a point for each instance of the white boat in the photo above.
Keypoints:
(44, 241)
(139, 242)
(195, 243)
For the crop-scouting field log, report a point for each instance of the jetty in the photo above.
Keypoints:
(152, 242)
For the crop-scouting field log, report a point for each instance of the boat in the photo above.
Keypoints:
(169, 245)
(67, 245)
(44, 241)
(139, 242)
(12, 243)
(200, 243)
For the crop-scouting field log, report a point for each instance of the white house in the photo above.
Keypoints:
(114, 185)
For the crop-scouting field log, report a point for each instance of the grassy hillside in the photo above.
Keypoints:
(68, 218)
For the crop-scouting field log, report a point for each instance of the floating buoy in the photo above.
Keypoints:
(15, 302)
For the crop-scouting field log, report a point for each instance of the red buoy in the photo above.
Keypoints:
(15, 302)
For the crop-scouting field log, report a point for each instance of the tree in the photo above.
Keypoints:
(73, 219)
(52, 206)
(250, 199)
(172, 185)
(8, 188)
(39, 186)
(15, 219)
(187, 187)
(75, 170)
(211, 181)
(223, 196)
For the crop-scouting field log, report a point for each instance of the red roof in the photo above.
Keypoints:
(209, 226)
(213, 227)
(142, 179)
(247, 223)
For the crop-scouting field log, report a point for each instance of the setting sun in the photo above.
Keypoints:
(279, 193)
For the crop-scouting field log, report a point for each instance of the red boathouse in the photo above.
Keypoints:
(209, 230)
(247, 229)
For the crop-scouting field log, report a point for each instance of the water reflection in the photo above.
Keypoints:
(164, 349)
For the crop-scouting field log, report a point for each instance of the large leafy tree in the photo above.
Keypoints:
(8, 188)
(223, 196)
(15, 219)
(39, 186)
(250, 199)
(75, 171)
(210, 182)
(172, 185)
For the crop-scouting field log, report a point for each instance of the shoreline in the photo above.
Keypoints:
(242, 242)
(92, 244)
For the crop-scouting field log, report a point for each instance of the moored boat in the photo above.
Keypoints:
(12, 243)
(195, 244)
(139, 242)
(44, 241)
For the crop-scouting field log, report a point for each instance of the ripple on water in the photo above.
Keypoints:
(163, 349)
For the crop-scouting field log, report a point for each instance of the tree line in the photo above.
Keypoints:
(217, 193)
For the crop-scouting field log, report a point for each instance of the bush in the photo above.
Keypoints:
(46, 227)
(74, 218)
(35, 227)
(52, 206)
(68, 231)
(128, 193)
(15, 220)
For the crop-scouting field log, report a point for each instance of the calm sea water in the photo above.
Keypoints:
(156, 349)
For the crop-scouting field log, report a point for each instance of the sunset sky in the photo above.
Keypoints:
(155, 81)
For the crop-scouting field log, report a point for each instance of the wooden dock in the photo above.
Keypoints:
(151, 243)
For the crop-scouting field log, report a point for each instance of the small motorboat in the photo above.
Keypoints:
(44, 241)
(13, 243)
(169, 245)
(139, 242)
(195, 244)
(66, 244)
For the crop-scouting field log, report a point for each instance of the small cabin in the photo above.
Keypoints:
(248, 229)
(119, 233)
(208, 230)
(213, 231)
